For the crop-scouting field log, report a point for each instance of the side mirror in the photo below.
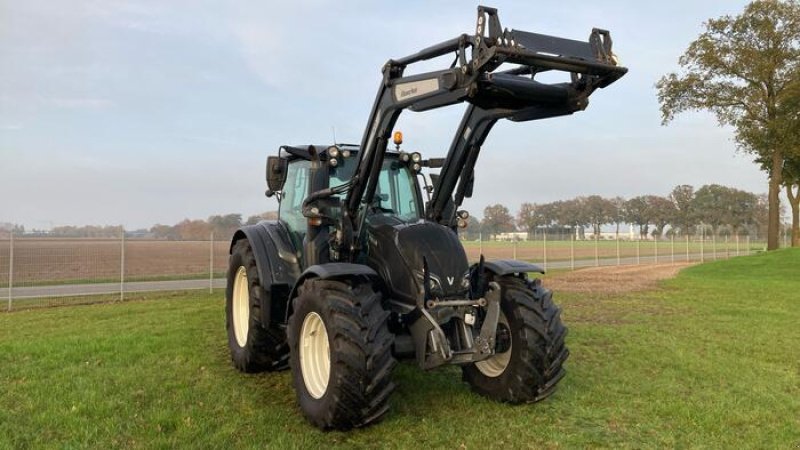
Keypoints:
(469, 186)
(276, 173)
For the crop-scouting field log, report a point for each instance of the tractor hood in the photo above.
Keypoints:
(397, 249)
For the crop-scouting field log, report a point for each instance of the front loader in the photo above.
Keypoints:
(364, 265)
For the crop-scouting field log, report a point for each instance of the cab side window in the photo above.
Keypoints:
(296, 190)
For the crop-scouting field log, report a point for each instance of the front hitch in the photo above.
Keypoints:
(432, 345)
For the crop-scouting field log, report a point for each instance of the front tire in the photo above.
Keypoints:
(341, 359)
(530, 364)
(254, 346)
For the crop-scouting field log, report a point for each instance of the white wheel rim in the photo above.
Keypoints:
(315, 356)
(241, 306)
(494, 366)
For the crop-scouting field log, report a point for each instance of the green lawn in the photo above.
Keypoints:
(710, 359)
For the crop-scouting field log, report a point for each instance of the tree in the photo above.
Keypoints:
(637, 212)
(618, 212)
(497, 219)
(718, 206)
(761, 215)
(572, 213)
(741, 209)
(225, 226)
(529, 218)
(598, 211)
(682, 198)
(193, 230)
(164, 232)
(711, 203)
(662, 213)
(743, 70)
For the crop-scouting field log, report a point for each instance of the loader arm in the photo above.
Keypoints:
(513, 94)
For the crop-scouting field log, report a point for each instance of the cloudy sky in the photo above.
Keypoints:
(143, 112)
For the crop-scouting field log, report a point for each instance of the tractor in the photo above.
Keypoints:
(364, 265)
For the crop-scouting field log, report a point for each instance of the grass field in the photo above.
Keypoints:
(709, 359)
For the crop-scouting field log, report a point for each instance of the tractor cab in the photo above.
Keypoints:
(303, 171)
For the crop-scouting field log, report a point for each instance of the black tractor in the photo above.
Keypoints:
(365, 266)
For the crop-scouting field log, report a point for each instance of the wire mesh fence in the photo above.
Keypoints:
(37, 271)
(574, 253)
(57, 271)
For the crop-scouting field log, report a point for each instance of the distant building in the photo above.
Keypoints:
(513, 236)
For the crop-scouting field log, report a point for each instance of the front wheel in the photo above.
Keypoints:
(530, 351)
(254, 346)
(340, 353)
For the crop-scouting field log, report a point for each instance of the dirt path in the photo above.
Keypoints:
(613, 279)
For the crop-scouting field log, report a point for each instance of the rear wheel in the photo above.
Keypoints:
(530, 350)
(340, 353)
(254, 346)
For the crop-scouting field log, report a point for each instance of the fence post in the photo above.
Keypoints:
(748, 244)
(655, 244)
(514, 248)
(211, 265)
(672, 248)
(714, 245)
(596, 251)
(10, 268)
(572, 251)
(727, 250)
(737, 245)
(638, 255)
(545, 249)
(618, 261)
(687, 247)
(122, 267)
(480, 242)
(702, 244)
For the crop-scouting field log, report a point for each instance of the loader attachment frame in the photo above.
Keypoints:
(473, 77)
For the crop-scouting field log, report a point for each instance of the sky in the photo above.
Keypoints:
(144, 112)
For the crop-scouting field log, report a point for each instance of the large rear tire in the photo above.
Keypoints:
(341, 355)
(531, 349)
(254, 346)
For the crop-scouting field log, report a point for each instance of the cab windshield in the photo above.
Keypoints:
(396, 193)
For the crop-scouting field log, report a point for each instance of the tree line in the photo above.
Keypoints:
(712, 209)
(222, 227)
